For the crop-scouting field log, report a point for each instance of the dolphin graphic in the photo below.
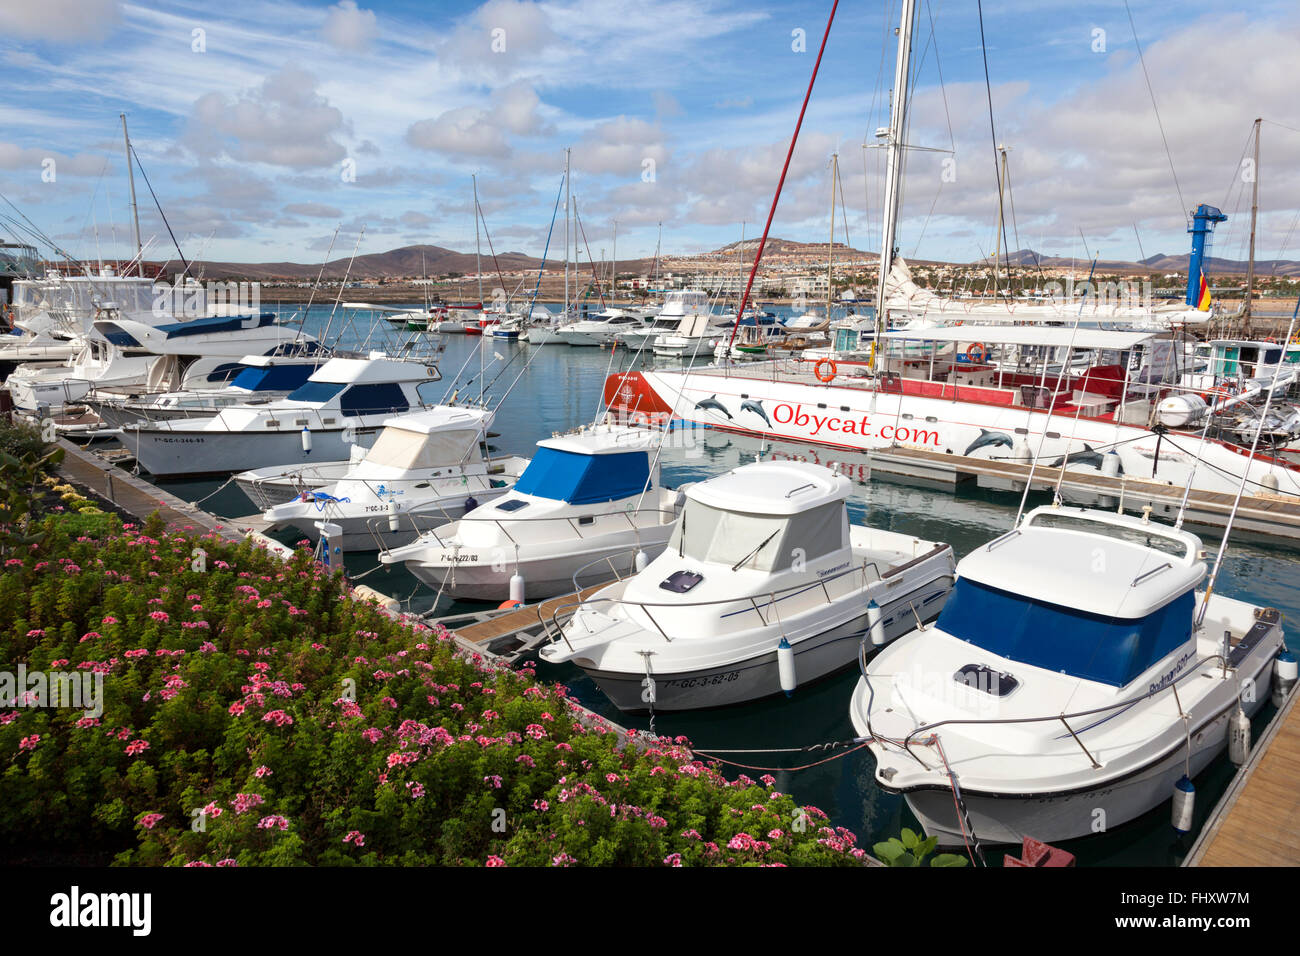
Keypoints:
(712, 404)
(1086, 457)
(988, 439)
(755, 405)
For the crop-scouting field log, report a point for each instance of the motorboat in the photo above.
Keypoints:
(1073, 678)
(585, 507)
(207, 390)
(763, 586)
(424, 469)
(345, 402)
(128, 355)
(601, 328)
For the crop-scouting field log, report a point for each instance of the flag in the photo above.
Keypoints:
(1203, 296)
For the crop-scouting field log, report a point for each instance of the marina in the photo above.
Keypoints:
(615, 529)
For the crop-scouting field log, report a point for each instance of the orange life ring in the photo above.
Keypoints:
(977, 347)
(817, 370)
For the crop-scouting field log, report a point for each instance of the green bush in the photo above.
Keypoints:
(254, 714)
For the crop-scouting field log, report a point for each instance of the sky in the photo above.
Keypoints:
(273, 130)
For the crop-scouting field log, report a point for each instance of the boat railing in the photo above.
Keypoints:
(756, 604)
(575, 524)
(1063, 718)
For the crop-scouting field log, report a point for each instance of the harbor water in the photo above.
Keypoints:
(561, 388)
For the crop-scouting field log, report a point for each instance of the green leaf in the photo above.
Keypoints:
(948, 859)
(910, 839)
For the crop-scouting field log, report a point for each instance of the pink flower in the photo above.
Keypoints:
(29, 743)
(263, 771)
(244, 802)
(673, 859)
(160, 616)
(150, 820)
(109, 620)
(495, 861)
(136, 747)
(273, 821)
(355, 837)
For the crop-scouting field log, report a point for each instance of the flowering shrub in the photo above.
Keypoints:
(254, 714)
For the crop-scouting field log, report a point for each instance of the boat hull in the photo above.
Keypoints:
(757, 677)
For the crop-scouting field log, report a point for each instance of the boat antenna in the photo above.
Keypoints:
(343, 285)
(311, 296)
(1245, 472)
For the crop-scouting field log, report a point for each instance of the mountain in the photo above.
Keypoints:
(1160, 262)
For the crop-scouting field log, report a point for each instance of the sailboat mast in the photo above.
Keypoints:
(830, 247)
(567, 208)
(135, 212)
(478, 259)
(1254, 216)
(893, 141)
(997, 239)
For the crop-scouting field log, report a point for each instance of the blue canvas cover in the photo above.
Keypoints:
(1064, 640)
(585, 479)
(274, 378)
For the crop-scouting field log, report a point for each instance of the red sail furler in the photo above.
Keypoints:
(740, 314)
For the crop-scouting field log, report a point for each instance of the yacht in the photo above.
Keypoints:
(424, 469)
(345, 402)
(585, 507)
(1073, 677)
(764, 584)
(598, 329)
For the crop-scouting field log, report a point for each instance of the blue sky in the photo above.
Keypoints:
(247, 115)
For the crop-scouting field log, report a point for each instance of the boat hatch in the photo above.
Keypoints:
(511, 504)
(679, 582)
(983, 678)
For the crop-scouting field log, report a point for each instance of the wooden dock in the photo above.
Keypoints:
(509, 633)
(1257, 823)
(1259, 517)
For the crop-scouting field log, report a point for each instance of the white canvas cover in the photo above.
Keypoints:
(411, 450)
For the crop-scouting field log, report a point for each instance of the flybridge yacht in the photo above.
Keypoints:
(1071, 671)
(582, 511)
(343, 403)
(125, 355)
(207, 389)
(763, 585)
(424, 469)
(973, 408)
(51, 316)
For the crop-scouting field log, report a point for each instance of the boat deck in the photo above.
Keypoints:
(1257, 823)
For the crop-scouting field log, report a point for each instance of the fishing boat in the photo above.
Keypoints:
(587, 504)
(424, 469)
(1069, 683)
(343, 403)
(763, 585)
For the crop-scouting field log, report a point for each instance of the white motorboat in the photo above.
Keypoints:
(206, 390)
(343, 403)
(601, 328)
(697, 325)
(424, 469)
(1069, 683)
(126, 353)
(763, 584)
(585, 506)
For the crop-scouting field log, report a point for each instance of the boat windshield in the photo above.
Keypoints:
(1064, 640)
(760, 542)
(315, 392)
(585, 479)
(412, 450)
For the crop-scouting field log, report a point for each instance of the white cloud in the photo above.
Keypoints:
(284, 122)
(481, 131)
(349, 28)
(61, 21)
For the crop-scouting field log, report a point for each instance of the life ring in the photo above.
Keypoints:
(976, 348)
(817, 370)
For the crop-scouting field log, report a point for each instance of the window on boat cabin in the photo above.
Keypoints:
(762, 542)
(585, 479)
(405, 449)
(373, 399)
(1144, 536)
(315, 391)
(1065, 640)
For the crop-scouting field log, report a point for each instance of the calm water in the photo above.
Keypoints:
(561, 388)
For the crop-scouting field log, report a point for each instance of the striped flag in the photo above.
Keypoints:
(1203, 297)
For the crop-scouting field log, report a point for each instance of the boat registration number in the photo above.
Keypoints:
(705, 681)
